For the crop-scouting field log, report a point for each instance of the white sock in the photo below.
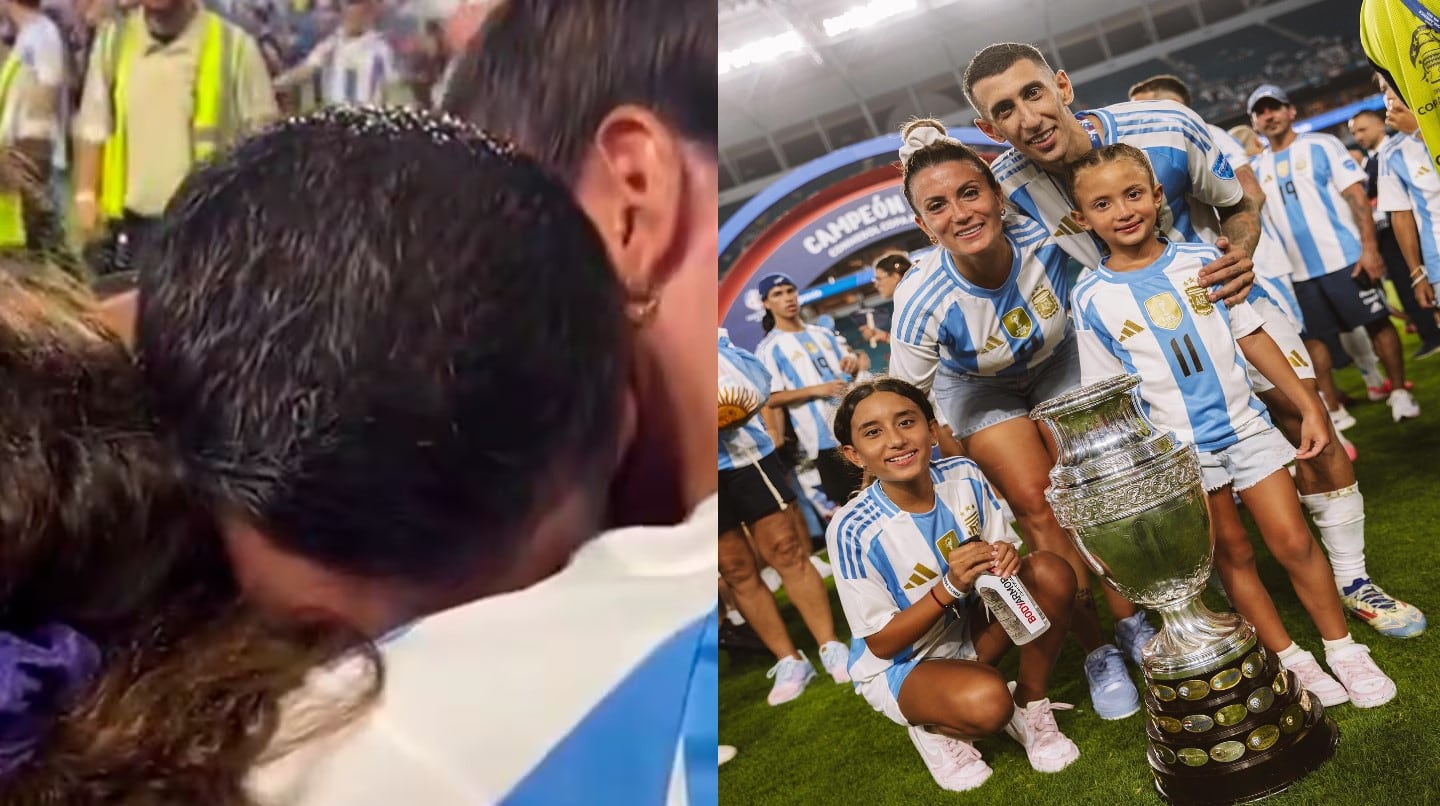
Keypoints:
(1338, 646)
(1288, 652)
(1357, 343)
(1340, 517)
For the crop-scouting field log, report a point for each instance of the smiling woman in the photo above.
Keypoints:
(984, 323)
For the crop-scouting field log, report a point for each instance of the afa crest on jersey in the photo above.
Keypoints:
(1222, 168)
(1283, 169)
(1044, 302)
(1017, 323)
(1164, 310)
(1199, 302)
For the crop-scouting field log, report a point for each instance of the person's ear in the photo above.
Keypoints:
(633, 184)
(852, 456)
(1067, 90)
(989, 130)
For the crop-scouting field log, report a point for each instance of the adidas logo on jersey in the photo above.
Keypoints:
(1297, 360)
(1067, 227)
(992, 343)
(920, 577)
(1130, 329)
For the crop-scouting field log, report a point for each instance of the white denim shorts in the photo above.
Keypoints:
(1247, 462)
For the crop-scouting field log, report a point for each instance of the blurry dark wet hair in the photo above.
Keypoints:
(386, 340)
(545, 73)
(101, 535)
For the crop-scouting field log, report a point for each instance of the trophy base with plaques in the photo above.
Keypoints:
(1226, 723)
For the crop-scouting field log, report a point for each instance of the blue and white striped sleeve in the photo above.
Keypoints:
(915, 340)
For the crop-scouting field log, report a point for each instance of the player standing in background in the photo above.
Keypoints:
(1410, 190)
(1368, 129)
(754, 492)
(809, 370)
(1322, 216)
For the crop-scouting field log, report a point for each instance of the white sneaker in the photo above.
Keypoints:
(1403, 406)
(771, 578)
(835, 657)
(1367, 685)
(727, 752)
(1310, 676)
(821, 567)
(1342, 418)
(791, 677)
(1034, 728)
(954, 764)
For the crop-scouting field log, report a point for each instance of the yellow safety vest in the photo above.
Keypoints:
(12, 219)
(213, 119)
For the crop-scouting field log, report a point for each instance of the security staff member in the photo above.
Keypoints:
(169, 85)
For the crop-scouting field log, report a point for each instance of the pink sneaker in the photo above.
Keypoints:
(954, 764)
(791, 677)
(1367, 685)
(835, 657)
(1310, 676)
(1034, 728)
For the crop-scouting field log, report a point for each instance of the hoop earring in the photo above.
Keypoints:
(641, 305)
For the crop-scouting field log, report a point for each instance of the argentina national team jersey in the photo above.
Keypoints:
(1313, 221)
(748, 443)
(1407, 181)
(595, 685)
(885, 559)
(805, 358)
(943, 318)
(1157, 323)
(1181, 150)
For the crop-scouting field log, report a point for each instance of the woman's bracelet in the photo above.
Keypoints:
(1417, 279)
(950, 587)
(936, 597)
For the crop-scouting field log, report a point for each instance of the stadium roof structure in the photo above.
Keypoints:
(800, 78)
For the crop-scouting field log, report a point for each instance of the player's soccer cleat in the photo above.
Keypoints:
(954, 764)
(1367, 685)
(1310, 676)
(791, 677)
(1112, 692)
(1403, 405)
(1349, 447)
(1034, 728)
(1389, 616)
(835, 657)
(727, 752)
(1132, 634)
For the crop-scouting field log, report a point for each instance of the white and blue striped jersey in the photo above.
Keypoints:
(808, 357)
(1407, 181)
(885, 559)
(473, 712)
(1185, 158)
(1303, 185)
(748, 442)
(942, 318)
(355, 70)
(1157, 323)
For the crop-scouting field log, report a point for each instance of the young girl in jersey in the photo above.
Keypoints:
(1141, 312)
(906, 553)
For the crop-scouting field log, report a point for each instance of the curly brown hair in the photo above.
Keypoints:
(102, 534)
